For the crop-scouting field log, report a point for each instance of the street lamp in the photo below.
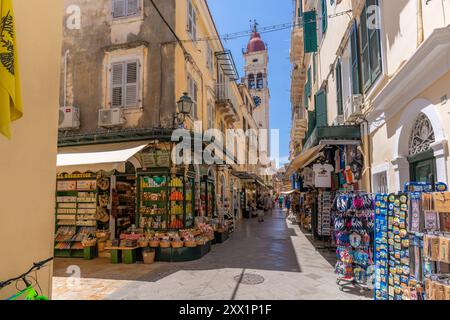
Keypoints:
(184, 108)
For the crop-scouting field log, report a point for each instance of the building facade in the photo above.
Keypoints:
(128, 65)
(360, 70)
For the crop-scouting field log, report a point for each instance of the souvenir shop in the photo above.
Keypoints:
(327, 171)
(134, 203)
(412, 243)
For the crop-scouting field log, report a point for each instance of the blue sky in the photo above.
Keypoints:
(234, 16)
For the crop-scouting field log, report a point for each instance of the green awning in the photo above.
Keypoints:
(336, 133)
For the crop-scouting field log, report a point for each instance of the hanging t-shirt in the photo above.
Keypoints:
(308, 177)
(322, 175)
(337, 160)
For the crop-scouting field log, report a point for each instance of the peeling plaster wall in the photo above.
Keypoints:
(89, 48)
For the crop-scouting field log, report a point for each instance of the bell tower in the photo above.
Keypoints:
(256, 71)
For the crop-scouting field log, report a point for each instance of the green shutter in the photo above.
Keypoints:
(321, 109)
(311, 122)
(339, 97)
(356, 87)
(310, 31)
(324, 16)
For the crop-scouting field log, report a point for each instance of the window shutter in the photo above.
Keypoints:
(132, 7)
(356, 88)
(311, 122)
(117, 77)
(310, 31)
(119, 8)
(131, 87)
(321, 109)
(339, 98)
(194, 24)
(324, 16)
(189, 16)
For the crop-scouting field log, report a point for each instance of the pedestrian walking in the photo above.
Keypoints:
(280, 201)
(260, 208)
(288, 204)
(268, 204)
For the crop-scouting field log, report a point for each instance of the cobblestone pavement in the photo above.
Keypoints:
(275, 258)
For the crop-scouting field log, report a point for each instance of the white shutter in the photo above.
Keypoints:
(119, 8)
(132, 7)
(131, 85)
(117, 77)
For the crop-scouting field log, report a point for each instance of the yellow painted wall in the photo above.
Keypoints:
(28, 161)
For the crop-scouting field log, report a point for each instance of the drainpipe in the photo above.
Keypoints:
(66, 56)
(420, 35)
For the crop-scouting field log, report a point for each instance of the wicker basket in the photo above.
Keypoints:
(165, 244)
(143, 243)
(190, 244)
(154, 244)
(89, 243)
(177, 244)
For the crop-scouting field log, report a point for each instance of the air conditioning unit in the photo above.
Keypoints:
(354, 108)
(110, 117)
(69, 118)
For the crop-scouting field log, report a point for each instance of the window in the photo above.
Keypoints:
(314, 67)
(259, 81)
(308, 88)
(380, 184)
(356, 87)
(124, 84)
(209, 58)
(321, 108)
(211, 116)
(192, 20)
(125, 8)
(370, 46)
(193, 93)
(251, 81)
(340, 102)
(422, 136)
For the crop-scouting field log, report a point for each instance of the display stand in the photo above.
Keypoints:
(165, 201)
(208, 198)
(76, 209)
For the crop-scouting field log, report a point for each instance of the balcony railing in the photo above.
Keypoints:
(222, 94)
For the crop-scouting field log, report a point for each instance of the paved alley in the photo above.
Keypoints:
(270, 260)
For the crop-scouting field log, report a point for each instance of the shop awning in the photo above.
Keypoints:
(302, 159)
(96, 158)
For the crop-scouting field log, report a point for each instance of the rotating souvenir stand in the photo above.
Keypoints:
(165, 201)
(353, 233)
(75, 210)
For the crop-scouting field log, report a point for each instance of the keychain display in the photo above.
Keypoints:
(381, 247)
(353, 233)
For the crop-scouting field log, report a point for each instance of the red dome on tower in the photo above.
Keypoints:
(256, 44)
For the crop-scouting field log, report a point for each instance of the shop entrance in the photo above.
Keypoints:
(423, 167)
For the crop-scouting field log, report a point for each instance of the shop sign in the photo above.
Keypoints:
(86, 185)
(155, 159)
(69, 185)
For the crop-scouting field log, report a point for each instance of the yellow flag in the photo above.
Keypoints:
(10, 98)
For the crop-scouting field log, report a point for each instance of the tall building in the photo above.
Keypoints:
(256, 72)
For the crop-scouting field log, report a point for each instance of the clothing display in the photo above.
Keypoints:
(322, 175)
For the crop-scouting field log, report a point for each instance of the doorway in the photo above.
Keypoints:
(423, 167)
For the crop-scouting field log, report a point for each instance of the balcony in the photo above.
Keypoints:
(224, 102)
(297, 50)
(299, 124)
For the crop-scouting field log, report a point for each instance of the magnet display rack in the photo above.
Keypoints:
(75, 210)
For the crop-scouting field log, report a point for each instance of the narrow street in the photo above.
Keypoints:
(270, 260)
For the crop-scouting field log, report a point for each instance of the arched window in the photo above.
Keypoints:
(260, 81)
(251, 81)
(422, 136)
